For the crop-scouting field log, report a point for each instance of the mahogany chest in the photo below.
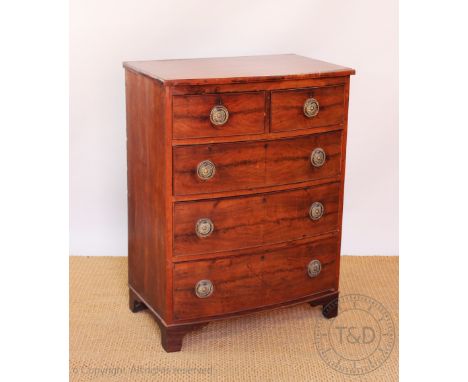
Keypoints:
(235, 186)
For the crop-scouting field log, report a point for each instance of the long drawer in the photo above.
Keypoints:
(232, 284)
(243, 165)
(225, 224)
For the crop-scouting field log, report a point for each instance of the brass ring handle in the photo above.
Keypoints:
(311, 107)
(206, 170)
(204, 288)
(318, 157)
(219, 115)
(316, 210)
(204, 227)
(314, 268)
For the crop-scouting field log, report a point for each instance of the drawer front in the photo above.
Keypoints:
(325, 106)
(215, 115)
(244, 165)
(233, 223)
(245, 282)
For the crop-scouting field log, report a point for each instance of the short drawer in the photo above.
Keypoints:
(236, 166)
(233, 284)
(216, 115)
(241, 222)
(307, 108)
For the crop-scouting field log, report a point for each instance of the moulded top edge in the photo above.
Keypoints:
(201, 71)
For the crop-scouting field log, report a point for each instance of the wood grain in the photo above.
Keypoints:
(254, 220)
(246, 165)
(266, 85)
(222, 70)
(288, 160)
(268, 136)
(245, 282)
(343, 167)
(191, 115)
(287, 108)
(259, 198)
(147, 196)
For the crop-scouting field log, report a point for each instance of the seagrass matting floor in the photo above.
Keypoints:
(109, 343)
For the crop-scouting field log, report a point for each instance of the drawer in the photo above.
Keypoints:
(235, 166)
(241, 222)
(255, 280)
(307, 108)
(216, 115)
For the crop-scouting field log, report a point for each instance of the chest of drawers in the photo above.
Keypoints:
(235, 186)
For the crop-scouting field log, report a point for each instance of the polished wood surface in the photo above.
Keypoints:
(191, 115)
(147, 197)
(236, 69)
(287, 108)
(258, 219)
(256, 164)
(249, 281)
(258, 199)
(261, 85)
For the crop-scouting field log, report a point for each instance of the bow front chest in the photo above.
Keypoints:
(235, 186)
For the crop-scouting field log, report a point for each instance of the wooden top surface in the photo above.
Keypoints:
(236, 69)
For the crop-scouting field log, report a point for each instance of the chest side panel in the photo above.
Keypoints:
(147, 189)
